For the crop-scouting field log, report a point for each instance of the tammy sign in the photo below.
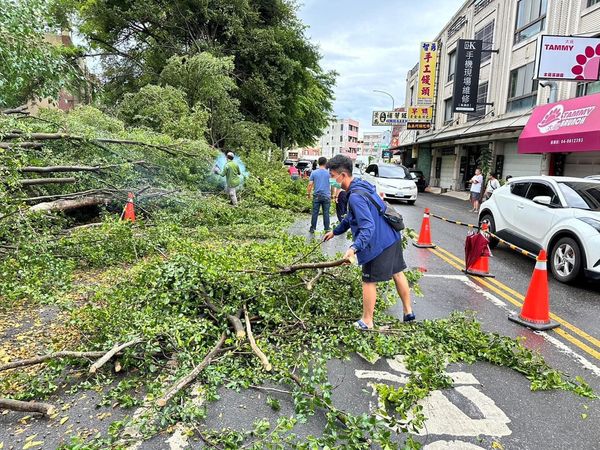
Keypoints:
(568, 58)
(568, 126)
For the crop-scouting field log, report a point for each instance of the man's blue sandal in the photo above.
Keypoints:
(361, 325)
(409, 317)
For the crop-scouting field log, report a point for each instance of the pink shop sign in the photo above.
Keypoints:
(568, 126)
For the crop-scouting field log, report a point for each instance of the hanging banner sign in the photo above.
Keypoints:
(568, 58)
(466, 77)
(427, 73)
(423, 113)
(418, 125)
(388, 118)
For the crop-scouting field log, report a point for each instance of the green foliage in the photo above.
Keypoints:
(30, 65)
(192, 46)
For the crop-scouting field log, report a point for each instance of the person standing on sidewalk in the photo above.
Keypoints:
(233, 178)
(476, 185)
(319, 187)
(377, 246)
(492, 185)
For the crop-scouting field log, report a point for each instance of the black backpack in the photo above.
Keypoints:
(391, 216)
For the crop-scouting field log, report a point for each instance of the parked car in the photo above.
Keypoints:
(419, 179)
(394, 181)
(304, 166)
(559, 214)
(593, 177)
(288, 162)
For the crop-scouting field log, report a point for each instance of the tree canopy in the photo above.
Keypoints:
(279, 81)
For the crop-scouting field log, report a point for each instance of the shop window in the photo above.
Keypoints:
(588, 88)
(482, 93)
(486, 34)
(448, 111)
(531, 18)
(522, 90)
(451, 65)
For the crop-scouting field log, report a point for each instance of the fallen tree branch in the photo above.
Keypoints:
(255, 348)
(67, 205)
(319, 265)
(183, 382)
(112, 352)
(52, 169)
(40, 181)
(311, 284)
(72, 195)
(34, 407)
(57, 355)
(8, 146)
(18, 110)
(235, 321)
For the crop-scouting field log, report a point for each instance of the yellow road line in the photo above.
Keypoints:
(451, 260)
(591, 339)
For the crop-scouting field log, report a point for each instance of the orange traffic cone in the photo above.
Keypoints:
(535, 313)
(128, 212)
(425, 234)
(481, 267)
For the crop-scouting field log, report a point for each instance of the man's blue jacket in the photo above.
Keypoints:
(371, 232)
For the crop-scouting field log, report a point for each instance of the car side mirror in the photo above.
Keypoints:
(542, 200)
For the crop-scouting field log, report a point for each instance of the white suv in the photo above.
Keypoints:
(559, 214)
(393, 181)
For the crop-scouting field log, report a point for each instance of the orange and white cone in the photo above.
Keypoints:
(535, 313)
(129, 212)
(481, 267)
(425, 234)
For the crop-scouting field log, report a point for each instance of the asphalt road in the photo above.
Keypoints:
(488, 407)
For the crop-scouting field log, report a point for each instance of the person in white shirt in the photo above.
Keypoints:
(476, 185)
(492, 185)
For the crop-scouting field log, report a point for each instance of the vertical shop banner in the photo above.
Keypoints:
(466, 78)
(427, 73)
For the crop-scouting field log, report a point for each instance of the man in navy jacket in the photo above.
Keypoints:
(377, 246)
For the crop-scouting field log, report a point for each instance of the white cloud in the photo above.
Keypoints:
(372, 45)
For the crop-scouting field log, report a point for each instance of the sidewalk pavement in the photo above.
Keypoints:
(461, 195)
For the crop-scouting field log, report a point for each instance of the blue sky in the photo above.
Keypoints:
(372, 45)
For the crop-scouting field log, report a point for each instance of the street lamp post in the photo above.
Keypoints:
(393, 108)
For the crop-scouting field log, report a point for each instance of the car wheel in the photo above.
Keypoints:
(411, 202)
(565, 260)
(487, 217)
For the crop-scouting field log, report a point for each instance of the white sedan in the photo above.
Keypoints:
(559, 214)
(393, 181)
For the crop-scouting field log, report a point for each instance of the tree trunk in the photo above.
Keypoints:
(67, 205)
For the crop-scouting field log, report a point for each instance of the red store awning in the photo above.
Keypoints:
(563, 127)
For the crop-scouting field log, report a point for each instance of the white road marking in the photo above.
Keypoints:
(448, 277)
(451, 445)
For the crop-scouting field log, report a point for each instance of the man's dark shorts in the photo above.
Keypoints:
(388, 263)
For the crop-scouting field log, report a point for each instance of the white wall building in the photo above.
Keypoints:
(452, 149)
(340, 136)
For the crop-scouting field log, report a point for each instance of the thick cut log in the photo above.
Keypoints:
(183, 382)
(67, 205)
(41, 181)
(112, 352)
(320, 265)
(33, 407)
(41, 359)
(255, 348)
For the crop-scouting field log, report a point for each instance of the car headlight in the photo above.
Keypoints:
(591, 222)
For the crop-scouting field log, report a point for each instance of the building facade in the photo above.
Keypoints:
(507, 92)
(340, 136)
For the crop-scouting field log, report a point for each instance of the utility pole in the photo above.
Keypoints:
(393, 108)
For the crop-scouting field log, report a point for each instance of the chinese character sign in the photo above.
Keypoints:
(427, 73)
(387, 118)
(420, 113)
(568, 58)
(466, 77)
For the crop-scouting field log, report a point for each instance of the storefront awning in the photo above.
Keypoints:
(568, 126)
